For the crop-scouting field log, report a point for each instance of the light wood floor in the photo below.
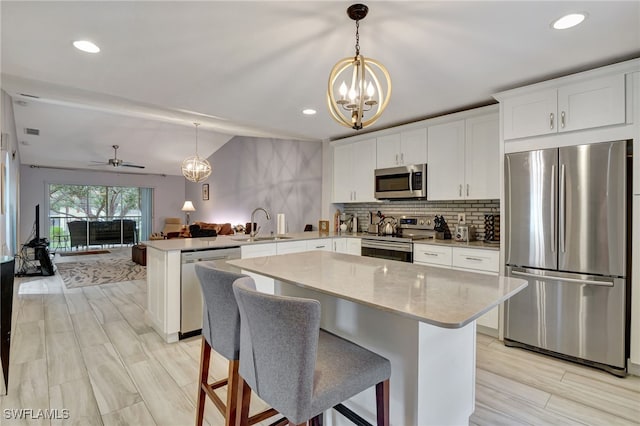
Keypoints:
(90, 351)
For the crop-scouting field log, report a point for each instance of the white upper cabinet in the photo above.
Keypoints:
(402, 148)
(353, 171)
(482, 158)
(586, 104)
(445, 170)
(464, 159)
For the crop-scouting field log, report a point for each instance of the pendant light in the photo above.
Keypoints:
(194, 168)
(358, 85)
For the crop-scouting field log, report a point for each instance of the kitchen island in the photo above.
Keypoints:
(421, 318)
(167, 288)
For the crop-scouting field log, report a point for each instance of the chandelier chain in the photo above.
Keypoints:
(196, 124)
(357, 37)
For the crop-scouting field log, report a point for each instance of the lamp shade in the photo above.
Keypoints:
(188, 207)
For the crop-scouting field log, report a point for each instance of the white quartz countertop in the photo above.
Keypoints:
(441, 297)
(225, 241)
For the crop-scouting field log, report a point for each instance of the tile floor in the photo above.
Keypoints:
(89, 351)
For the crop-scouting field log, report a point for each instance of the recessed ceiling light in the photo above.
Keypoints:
(568, 21)
(86, 46)
(308, 111)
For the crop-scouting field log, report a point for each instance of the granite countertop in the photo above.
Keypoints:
(441, 297)
(224, 241)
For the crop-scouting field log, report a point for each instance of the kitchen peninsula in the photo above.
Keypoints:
(174, 297)
(421, 318)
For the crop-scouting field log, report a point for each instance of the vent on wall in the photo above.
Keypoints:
(29, 131)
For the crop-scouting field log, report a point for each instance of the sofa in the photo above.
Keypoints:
(102, 232)
(220, 228)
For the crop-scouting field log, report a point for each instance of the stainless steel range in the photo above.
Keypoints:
(399, 246)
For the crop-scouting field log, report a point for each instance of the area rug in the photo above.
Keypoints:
(83, 274)
(82, 253)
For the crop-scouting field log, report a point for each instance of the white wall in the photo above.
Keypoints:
(282, 176)
(169, 192)
(10, 158)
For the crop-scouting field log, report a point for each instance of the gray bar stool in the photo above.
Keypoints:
(295, 367)
(221, 331)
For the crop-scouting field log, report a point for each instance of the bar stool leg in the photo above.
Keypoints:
(382, 403)
(205, 356)
(232, 393)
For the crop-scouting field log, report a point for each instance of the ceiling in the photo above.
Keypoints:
(249, 68)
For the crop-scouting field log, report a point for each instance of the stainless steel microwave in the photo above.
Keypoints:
(401, 182)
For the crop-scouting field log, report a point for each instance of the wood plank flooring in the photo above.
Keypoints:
(89, 351)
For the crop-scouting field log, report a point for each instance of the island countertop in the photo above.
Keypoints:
(225, 241)
(441, 297)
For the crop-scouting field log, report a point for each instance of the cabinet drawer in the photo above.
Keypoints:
(292, 247)
(478, 259)
(325, 244)
(432, 254)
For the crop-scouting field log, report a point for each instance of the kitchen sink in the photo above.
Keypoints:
(262, 239)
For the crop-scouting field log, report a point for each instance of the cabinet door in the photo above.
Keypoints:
(354, 246)
(482, 158)
(342, 184)
(363, 165)
(340, 245)
(388, 151)
(263, 284)
(530, 114)
(445, 171)
(593, 103)
(413, 146)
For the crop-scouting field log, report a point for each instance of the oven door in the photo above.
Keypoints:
(391, 250)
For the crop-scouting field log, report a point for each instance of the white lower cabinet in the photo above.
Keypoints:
(347, 245)
(464, 259)
(325, 244)
(354, 246)
(263, 284)
(432, 255)
(291, 247)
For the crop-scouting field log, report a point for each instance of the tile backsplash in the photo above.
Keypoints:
(474, 211)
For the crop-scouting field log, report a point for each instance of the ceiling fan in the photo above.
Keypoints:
(115, 161)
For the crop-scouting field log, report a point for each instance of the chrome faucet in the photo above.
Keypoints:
(254, 232)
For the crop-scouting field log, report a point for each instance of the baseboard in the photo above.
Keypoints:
(633, 369)
(487, 330)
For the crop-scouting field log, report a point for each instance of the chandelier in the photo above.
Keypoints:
(369, 82)
(194, 168)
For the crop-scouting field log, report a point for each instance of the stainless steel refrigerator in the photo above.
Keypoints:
(566, 233)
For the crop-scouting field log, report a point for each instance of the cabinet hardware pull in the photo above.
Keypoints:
(467, 190)
(396, 158)
(430, 254)
(551, 121)
(474, 258)
(460, 190)
(562, 115)
(401, 158)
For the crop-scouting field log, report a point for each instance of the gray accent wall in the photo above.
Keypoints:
(282, 176)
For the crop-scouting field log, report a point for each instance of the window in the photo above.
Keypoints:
(90, 204)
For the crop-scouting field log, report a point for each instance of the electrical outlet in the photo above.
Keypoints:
(462, 218)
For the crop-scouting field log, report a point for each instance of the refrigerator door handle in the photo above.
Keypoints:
(562, 207)
(559, 278)
(553, 209)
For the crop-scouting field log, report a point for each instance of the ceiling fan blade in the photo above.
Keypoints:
(133, 165)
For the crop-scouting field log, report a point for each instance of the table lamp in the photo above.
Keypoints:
(188, 207)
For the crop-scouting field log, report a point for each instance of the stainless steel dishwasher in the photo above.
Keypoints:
(190, 292)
